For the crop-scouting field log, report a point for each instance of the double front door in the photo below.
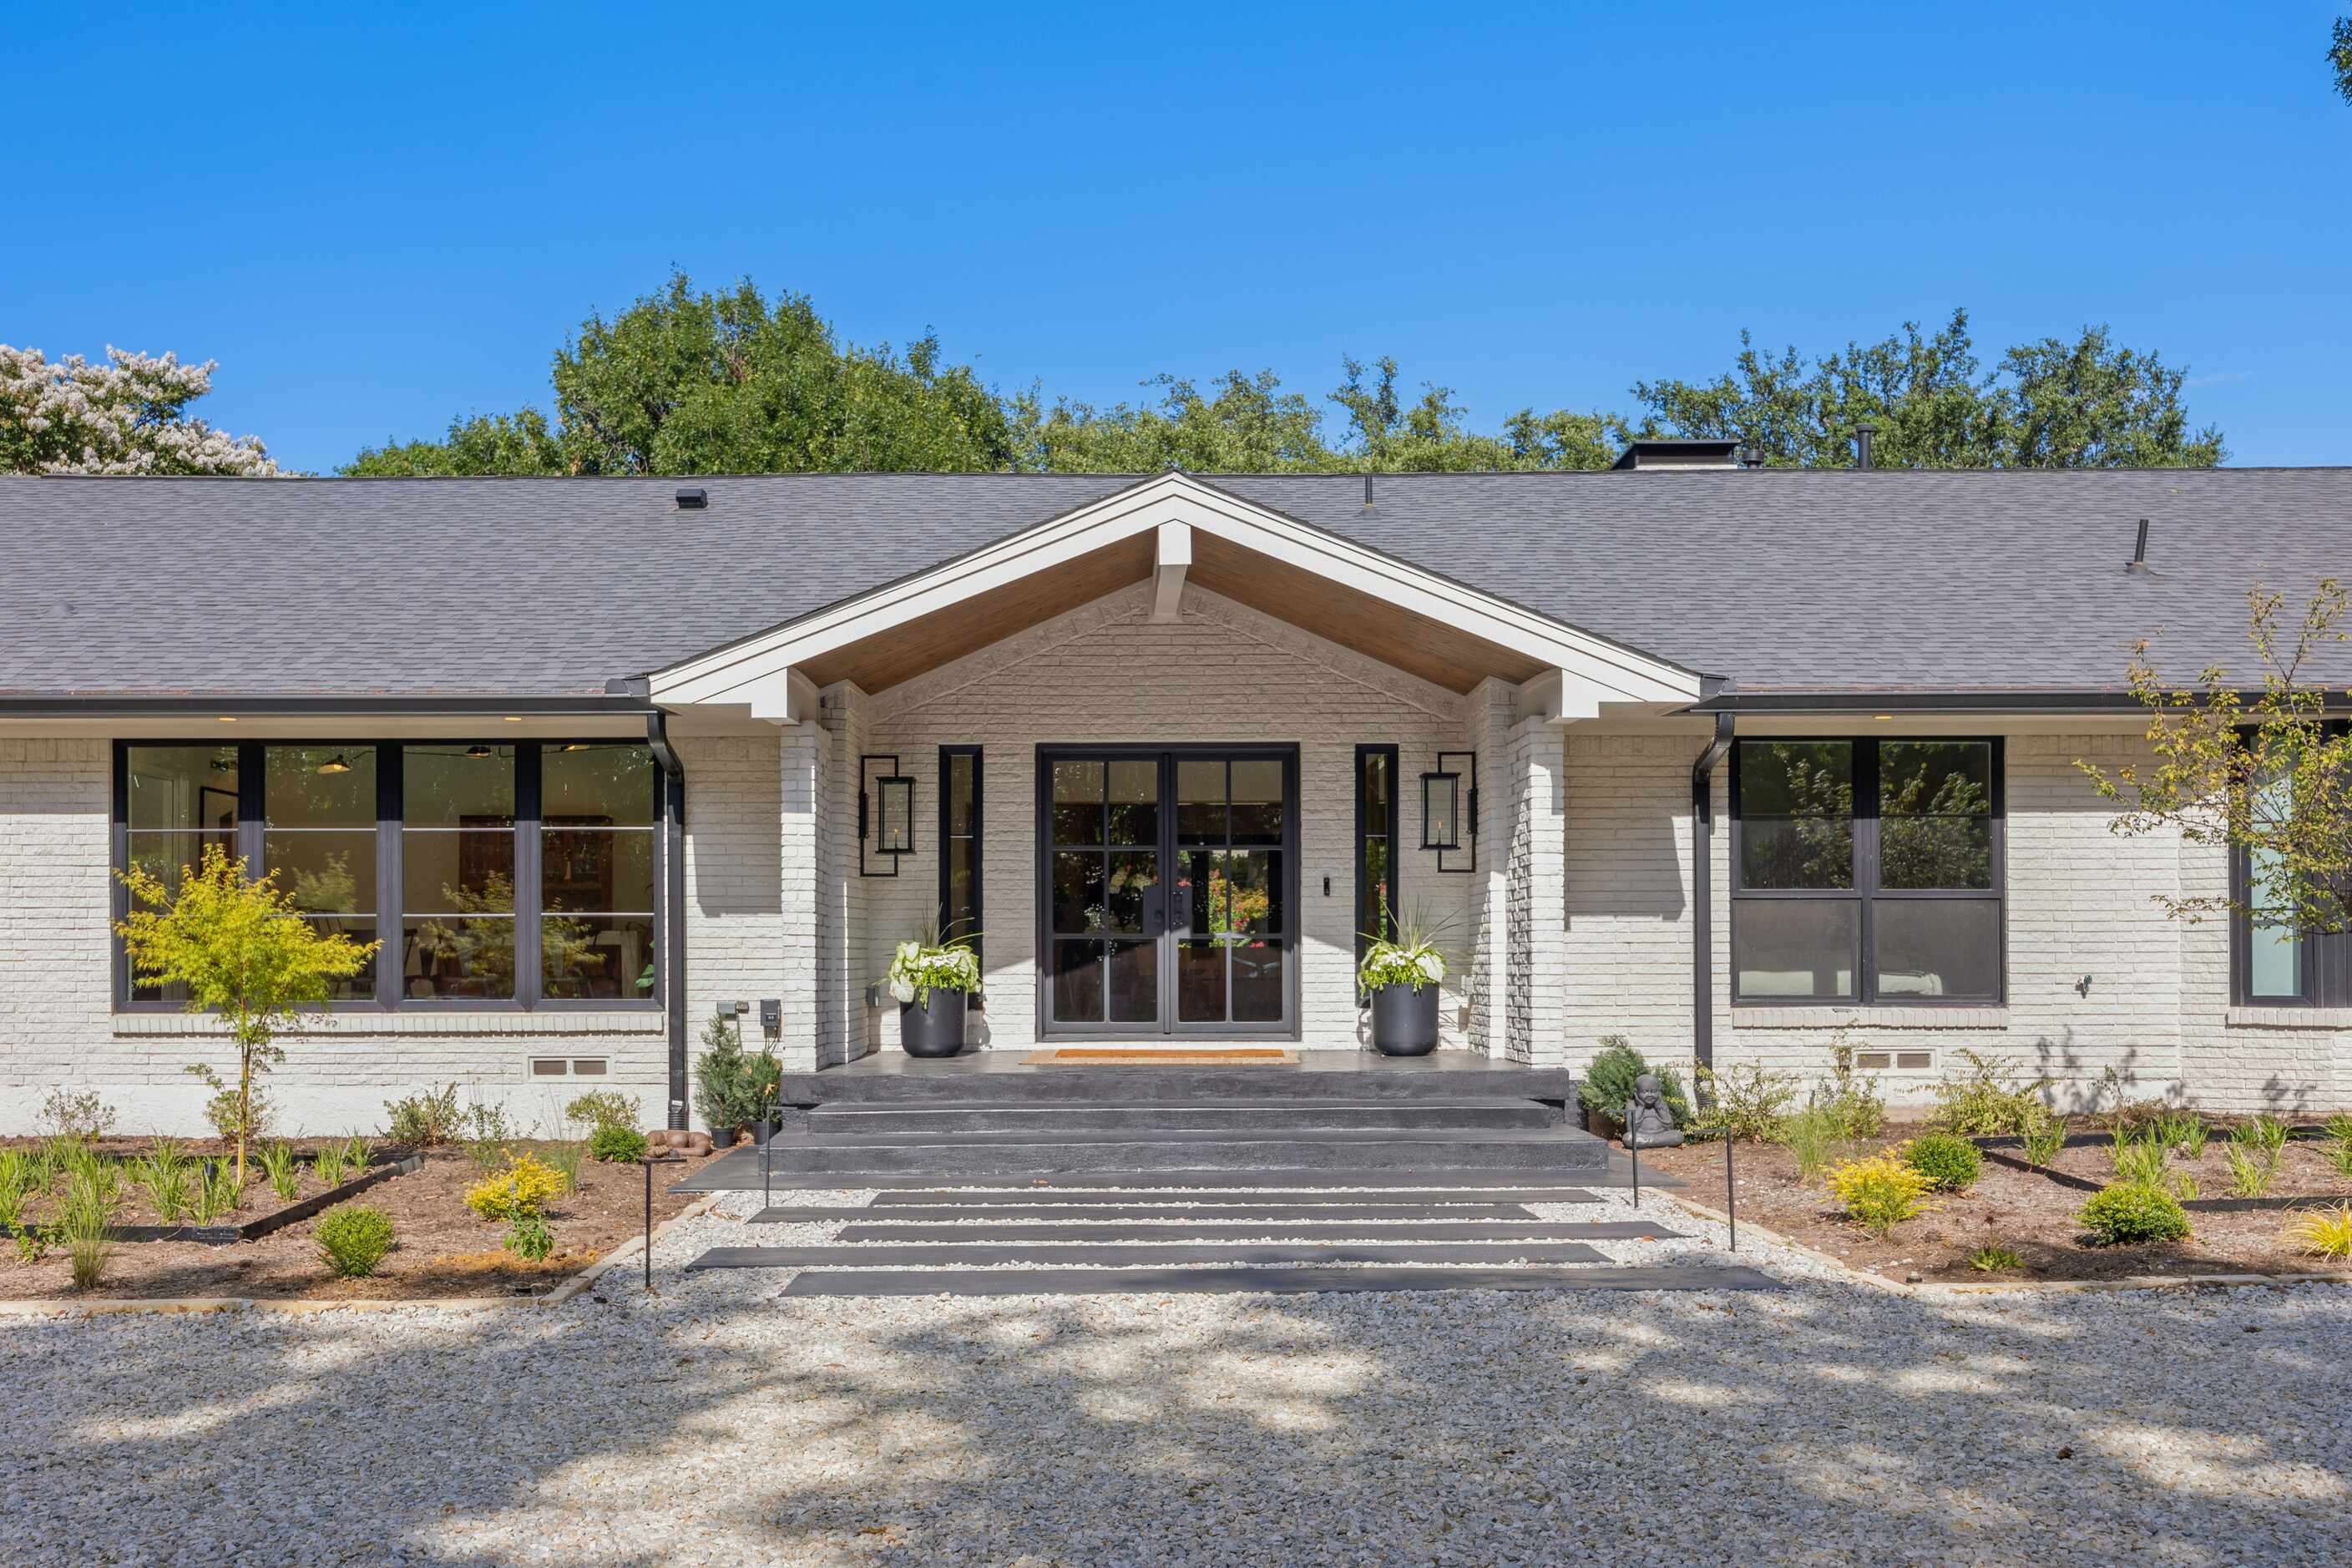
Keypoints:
(1167, 890)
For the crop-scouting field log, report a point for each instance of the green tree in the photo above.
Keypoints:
(2339, 55)
(2260, 771)
(241, 948)
(2048, 405)
(485, 444)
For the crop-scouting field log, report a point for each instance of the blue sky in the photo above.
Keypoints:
(375, 222)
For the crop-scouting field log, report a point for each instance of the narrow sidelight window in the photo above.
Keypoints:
(2274, 961)
(1376, 910)
(960, 913)
(1867, 871)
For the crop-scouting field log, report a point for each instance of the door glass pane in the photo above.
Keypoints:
(185, 788)
(1132, 874)
(1077, 816)
(1936, 813)
(1244, 893)
(1795, 947)
(1200, 800)
(596, 784)
(319, 786)
(1796, 814)
(1257, 801)
(1258, 988)
(1078, 982)
(1134, 982)
(960, 789)
(1135, 800)
(457, 786)
(1077, 891)
(1200, 981)
(1936, 947)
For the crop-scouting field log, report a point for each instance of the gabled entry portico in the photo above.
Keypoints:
(1160, 708)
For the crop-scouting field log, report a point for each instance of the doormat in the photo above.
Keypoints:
(1099, 1056)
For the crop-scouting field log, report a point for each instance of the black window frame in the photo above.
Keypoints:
(1866, 893)
(389, 913)
(1367, 918)
(978, 934)
(2324, 962)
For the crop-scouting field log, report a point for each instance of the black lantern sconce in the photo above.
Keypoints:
(886, 816)
(1449, 810)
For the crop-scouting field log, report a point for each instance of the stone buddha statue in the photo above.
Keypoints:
(1648, 1123)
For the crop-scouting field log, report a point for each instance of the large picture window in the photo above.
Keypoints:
(1866, 870)
(494, 875)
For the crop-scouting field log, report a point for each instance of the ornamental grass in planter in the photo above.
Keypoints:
(1402, 978)
(934, 980)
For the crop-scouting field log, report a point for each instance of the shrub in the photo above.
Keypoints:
(1809, 1135)
(1744, 1101)
(1851, 1099)
(2044, 1138)
(1879, 1192)
(423, 1120)
(1950, 1164)
(2322, 1233)
(81, 1117)
(1992, 1255)
(354, 1239)
(233, 1115)
(529, 1237)
(527, 1186)
(602, 1108)
(1986, 1100)
(2132, 1212)
(1608, 1083)
(612, 1143)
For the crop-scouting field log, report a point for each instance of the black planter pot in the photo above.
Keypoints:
(722, 1138)
(935, 1028)
(762, 1130)
(1404, 1020)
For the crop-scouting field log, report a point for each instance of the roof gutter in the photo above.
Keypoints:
(673, 938)
(2022, 701)
(1703, 894)
(68, 706)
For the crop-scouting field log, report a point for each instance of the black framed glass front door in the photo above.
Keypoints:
(1167, 890)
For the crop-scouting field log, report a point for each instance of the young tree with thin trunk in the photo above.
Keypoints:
(242, 948)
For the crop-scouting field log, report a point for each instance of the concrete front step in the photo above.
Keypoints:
(739, 1172)
(1229, 1116)
(1135, 1254)
(1290, 1230)
(1217, 1194)
(1000, 1078)
(846, 1159)
(1284, 1282)
(958, 1215)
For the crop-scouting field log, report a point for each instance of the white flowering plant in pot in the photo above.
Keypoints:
(929, 963)
(1409, 957)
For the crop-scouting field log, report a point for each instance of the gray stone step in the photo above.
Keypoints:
(1230, 1116)
(739, 1172)
(956, 1214)
(1228, 1230)
(1131, 1256)
(1562, 1150)
(1140, 1190)
(1000, 1078)
(1273, 1281)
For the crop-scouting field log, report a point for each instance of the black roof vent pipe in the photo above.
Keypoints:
(2138, 563)
(1368, 490)
(1751, 455)
(1862, 435)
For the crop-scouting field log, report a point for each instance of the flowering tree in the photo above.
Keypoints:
(127, 416)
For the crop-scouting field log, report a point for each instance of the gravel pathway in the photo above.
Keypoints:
(1823, 1424)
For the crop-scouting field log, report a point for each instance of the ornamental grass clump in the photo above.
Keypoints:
(1407, 956)
(1950, 1164)
(85, 1228)
(2132, 1213)
(1809, 1135)
(2322, 1233)
(354, 1239)
(2139, 1158)
(2339, 1145)
(17, 1185)
(1993, 1255)
(1849, 1098)
(2043, 1138)
(1880, 1192)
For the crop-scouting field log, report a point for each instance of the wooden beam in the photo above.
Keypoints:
(1175, 558)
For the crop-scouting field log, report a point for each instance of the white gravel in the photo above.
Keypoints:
(712, 1422)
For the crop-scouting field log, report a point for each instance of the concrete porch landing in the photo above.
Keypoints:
(1004, 1076)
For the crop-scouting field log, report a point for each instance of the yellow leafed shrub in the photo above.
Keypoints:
(525, 1187)
(1882, 1192)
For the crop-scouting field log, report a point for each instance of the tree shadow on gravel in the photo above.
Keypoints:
(716, 1421)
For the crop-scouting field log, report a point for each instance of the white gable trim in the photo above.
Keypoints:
(1172, 505)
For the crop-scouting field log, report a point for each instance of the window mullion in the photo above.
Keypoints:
(526, 874)
(252, 807)
(391, 896)
(1865, 865)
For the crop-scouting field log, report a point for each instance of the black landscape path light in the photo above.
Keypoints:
(667, 1156)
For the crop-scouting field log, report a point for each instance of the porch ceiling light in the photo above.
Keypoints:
(894, 834)
(477, 752)
(335, 765)
(1441, 811)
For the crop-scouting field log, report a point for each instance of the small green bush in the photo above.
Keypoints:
(1951, 1163)
(1744, 1101)
(354, 1239)
(610, 1143)
(1811, 1135)
(1986, 1100)
(1993, 1255)
(1851, 1099)
(2132, 1212)
(1608, 1083)
(529, 1237)
(601, 1108)
(423, 1120)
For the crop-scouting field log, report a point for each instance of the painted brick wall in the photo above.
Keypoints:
(1106, 672)
(57, 1026)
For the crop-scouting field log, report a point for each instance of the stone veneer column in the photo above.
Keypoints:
(1536, 955)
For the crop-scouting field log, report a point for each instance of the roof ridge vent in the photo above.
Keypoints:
(693, 498)
(1650, 453)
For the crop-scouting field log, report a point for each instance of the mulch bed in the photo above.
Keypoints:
(2024, 1211)
(443, 1249)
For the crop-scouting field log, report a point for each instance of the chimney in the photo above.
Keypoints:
(1862, 435)
(1679, 453)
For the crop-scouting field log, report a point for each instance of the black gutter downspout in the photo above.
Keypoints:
(673, 857)
(1702, 892)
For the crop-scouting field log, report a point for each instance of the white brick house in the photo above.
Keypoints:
(592, 758)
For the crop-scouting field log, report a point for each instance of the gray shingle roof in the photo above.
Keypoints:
(1776, 579)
